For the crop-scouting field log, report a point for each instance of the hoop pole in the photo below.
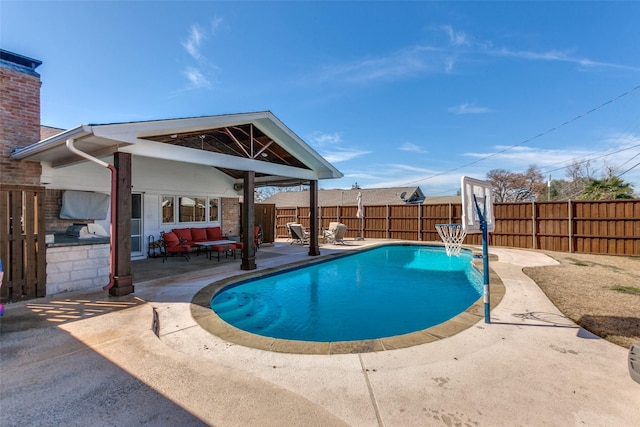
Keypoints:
(485, 259)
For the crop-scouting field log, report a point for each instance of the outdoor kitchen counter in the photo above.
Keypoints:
(75, 264)
(63, 239)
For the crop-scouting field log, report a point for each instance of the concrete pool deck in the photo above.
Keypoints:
(87, 359)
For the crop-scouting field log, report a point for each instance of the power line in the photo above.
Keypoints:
(631, 168)
(546, 171)
(553, 129)
(629, 160)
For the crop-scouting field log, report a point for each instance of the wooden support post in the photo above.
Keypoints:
(314, 249)
(248, 219)
(122, 280)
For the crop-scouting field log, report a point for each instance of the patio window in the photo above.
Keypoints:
(192, 209)
(213, 210)
(189, 209)
(167, 209)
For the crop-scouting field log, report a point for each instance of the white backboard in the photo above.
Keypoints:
(482, 191)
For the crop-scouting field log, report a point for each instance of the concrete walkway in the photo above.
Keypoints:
(87, 359)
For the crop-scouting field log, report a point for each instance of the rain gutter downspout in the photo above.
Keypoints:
(112, 253)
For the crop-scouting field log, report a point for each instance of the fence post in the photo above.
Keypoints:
(387, 220)
(533, 221)
(450, 213)
(419, 223)
(570, 227)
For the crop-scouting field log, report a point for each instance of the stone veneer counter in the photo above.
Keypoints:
(77, 264)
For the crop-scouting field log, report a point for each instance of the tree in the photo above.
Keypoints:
(517, 187)
(611, 188)
(580, 174)
(264, 193)
(500, 180)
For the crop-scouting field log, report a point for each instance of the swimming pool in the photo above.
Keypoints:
(381, 292)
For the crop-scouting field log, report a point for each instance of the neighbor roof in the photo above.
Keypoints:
(436, 200)
(232, 143)
(370, 196)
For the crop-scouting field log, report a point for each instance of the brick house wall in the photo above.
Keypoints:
(20, 126)
(48, 132)
(230, 216)
(19, 117)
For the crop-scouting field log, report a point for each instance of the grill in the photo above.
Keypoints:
(75, 229)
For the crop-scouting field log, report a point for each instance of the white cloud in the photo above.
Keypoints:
(193, 42)
(407, 62)
(553, 161)
(329, 145)
(557, 55)
(215, 24)
(408, 146)
(610, 150)
(196, 78)
(200, 74)
(443, 58)
(321, 139)
(456, 38)
(338, 155)
(469, 108)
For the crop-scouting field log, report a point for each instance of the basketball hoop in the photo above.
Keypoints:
(452, 235)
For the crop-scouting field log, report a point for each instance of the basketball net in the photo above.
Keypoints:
(452, 235)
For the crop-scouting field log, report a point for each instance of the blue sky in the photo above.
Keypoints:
(392, 93)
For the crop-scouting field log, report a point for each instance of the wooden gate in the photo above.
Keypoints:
(265, 216)
(22, 242)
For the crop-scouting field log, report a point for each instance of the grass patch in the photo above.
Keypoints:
(597, 298)
(627, 289)
(579, 262)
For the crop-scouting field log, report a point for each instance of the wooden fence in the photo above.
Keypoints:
(598, 227)
(22, 245)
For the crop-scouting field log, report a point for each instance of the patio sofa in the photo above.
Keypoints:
(190, 236)
(182, 241)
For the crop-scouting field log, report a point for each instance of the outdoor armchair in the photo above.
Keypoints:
(173, 246)
(335, 233)
(298, 234)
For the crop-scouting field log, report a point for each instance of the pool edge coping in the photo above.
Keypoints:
(213, 324)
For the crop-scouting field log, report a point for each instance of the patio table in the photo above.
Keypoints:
(226, 245)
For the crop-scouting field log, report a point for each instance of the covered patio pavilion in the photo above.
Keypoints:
(253, 149)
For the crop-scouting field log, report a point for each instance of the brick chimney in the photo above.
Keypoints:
(19, 117)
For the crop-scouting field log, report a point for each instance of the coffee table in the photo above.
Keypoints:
(225, 245)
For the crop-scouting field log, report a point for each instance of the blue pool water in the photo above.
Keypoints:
(382, 292)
